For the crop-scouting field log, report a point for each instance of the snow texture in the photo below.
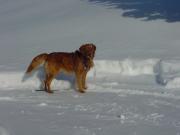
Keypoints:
(133, 88)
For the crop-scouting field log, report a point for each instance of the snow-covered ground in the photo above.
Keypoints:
(132, 90)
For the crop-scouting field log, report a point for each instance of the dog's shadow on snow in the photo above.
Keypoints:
(40, 74)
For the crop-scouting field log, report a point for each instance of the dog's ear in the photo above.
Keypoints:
(78, 53)
(83, 48)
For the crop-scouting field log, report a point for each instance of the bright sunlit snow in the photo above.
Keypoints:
(133, 89)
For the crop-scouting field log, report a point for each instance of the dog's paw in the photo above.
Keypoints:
(50, 91)
(85, 87)
(82, 91)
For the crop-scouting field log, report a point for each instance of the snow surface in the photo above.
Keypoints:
(132, 90)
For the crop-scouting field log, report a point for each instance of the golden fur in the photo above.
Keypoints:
(78, 62)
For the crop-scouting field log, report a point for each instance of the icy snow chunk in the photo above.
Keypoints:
(168, 73)
(174, 83)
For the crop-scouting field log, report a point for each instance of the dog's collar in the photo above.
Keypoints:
(85, 59)
(89, 57)
(85, 56)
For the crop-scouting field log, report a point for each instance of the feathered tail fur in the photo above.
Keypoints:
(38, 60)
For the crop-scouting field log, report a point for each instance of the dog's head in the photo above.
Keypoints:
(88, 50)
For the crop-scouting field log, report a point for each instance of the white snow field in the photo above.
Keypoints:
(134, 88)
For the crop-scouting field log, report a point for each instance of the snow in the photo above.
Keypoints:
(128, 67)
(169, 73)
(133, 88)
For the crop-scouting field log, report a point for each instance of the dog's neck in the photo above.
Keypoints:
(87, 60)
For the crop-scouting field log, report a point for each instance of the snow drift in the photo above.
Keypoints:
(166, 72)
(130, 67)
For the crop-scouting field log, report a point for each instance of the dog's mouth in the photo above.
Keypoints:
(90, 55)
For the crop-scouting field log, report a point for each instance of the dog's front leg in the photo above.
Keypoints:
(79, 82)
(84, 80)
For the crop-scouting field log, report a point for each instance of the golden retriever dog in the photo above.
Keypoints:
(78, 62)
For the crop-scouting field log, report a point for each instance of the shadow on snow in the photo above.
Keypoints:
(168, 10)
(41, 77)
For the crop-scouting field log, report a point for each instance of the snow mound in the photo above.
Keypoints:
(168, 73)
(130, 67)
(174, 83)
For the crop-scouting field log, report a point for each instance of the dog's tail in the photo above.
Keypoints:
(38, 60)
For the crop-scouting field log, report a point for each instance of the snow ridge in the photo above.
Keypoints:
(165, 72)
(130, 67)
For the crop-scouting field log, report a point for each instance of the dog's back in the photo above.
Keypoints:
(63, 61)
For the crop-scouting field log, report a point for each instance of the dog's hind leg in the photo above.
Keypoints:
(47, 83)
